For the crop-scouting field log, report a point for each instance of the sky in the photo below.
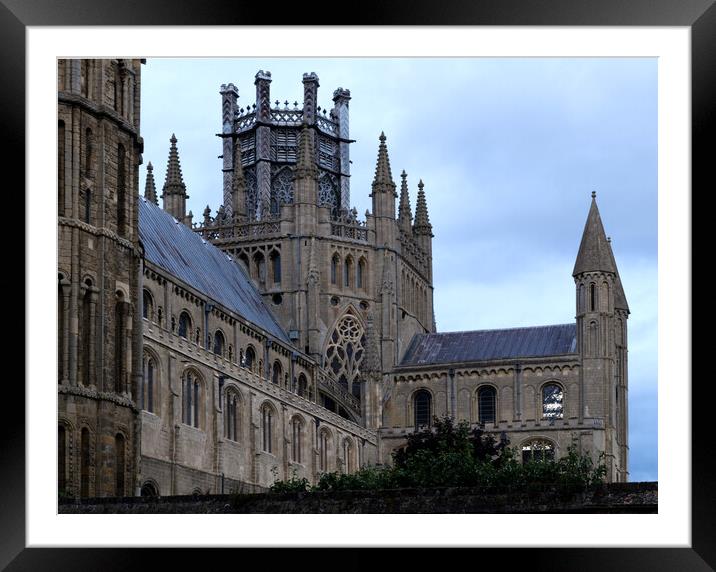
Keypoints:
(509, 151)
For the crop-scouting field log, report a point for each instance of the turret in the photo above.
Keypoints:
(422, 229)
(341, 98)
(384, 195)
(229, 97)
(263, 145)
(602, 311)
(405, 215)
(238, 186)
(310, 97)
(150, 187)
(174, 190)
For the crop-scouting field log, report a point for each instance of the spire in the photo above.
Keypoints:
(371, 355)
(305, 164)
(405, 216)
(174, 190)
(595, 252)
(150, 188)
(383, 180)
(422, 221)
(174, 182)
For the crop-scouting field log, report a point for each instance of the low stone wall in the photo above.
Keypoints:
(609, 498)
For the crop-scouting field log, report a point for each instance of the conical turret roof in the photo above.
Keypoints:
(405, 215)
(595, 252)
(174, 182)
(422, 220)
(150, 187)
(383, 180)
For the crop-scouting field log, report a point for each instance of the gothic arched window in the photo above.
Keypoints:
(324, 442)
(360, 273)
(552, 401)
(302, 385)
(344, 352)
(250, 358)
(296, 439)
(184, 325)
(231, 416)
(335, 261)
(347, 271)
(276, 267)
(147, 305)
(260, 268)
(219, 343)
(267, 420)
(147, 394)
(486, 401)
(276, 373)
(192, 399)
(422, 402)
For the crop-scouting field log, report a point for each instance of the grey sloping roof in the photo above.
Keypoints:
(483, 345)
(181, 252)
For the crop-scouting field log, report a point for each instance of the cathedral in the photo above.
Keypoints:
(279, 335)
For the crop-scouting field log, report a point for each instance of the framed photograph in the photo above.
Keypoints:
(674, 43)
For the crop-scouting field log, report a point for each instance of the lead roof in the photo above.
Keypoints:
(484, 345)
(181, 252)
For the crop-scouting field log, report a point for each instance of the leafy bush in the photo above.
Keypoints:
(453, 455)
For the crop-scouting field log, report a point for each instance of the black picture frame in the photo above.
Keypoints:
(698, 15)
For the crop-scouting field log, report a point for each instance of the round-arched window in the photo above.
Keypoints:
(422, 405)
(552, 401)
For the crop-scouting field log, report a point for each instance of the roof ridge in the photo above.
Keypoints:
(498, 329)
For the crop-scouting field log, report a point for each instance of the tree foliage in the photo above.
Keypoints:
(453, 455)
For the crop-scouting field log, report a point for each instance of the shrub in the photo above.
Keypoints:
(452, 455)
